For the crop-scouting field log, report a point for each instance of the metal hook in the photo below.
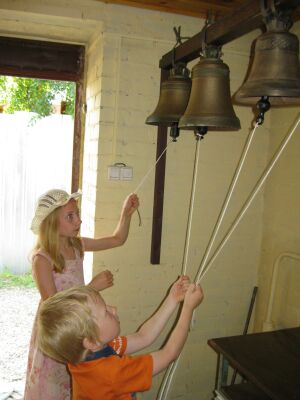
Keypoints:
(179, 38)
(209, 51)
(177, 35)
(274, 19)
(203, 41)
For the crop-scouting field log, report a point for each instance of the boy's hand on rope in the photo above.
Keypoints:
(131, 203)
(194, 296)
(102, 280)
(179, 288)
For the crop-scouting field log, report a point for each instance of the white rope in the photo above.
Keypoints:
(165, 385)
(227, 199)
(168, 377)
(150, 169)
(203, 270)
(248, 202)
(172, 368)
(191, 209)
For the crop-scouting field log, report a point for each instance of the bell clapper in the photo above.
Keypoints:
(263, 105)
(174, 132)
(200, 131)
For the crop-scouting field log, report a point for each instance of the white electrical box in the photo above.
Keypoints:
(113, 173)
(126, 173)
(120, 172)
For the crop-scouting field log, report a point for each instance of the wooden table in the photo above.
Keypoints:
(269, 362)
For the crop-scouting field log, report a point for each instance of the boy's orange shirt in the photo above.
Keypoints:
(113, 377)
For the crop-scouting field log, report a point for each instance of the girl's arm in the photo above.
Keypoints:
(120, 234)
(172, 349)
(42, 273)
(151, 329)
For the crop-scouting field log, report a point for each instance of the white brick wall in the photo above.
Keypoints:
(124, 46)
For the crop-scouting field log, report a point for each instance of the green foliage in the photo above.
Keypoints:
(8, 279)
(2, 89)
(35, 95)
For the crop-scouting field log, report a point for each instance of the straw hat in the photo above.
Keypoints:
(47, 203)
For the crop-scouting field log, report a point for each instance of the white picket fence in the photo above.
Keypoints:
(33, 159)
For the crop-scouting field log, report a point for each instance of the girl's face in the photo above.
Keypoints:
(69, 220)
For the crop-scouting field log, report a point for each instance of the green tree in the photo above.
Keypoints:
(35, 95)
(2, 89)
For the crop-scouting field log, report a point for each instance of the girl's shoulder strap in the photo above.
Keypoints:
(43, 253)
(78, 246)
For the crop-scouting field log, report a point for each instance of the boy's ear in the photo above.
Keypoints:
(92, 346)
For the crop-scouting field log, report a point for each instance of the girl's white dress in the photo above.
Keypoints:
(47, 379)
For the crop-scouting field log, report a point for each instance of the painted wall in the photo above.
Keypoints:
(124, 46)
(281, 232)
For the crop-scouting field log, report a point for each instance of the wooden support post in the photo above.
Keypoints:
(159, 187)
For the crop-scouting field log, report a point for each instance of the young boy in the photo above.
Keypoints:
(77, 327)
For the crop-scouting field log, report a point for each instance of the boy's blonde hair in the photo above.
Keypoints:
(48, 239)
(64, 321)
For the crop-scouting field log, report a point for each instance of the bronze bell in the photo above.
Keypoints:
(210, 100)
(274, 71)
(174, 96)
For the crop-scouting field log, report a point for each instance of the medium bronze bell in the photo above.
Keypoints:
(173, 99)
(210, 100)
(274, 71)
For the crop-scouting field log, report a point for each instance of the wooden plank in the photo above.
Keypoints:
(195, 8)
(77, 139)
(242, 21)
(159, 187)
(38, 59)
(243, 391)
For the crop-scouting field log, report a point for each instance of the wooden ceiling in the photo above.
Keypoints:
(195, 8)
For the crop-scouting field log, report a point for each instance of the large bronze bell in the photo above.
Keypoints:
(173, 99)
(274, 71)
(210, 100)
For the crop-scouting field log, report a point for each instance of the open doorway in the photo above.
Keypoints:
(39, 65)
(47, 61)
(36, 151)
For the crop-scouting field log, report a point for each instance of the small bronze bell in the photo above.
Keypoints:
(274, 72)
(210, 101)
(174, 97)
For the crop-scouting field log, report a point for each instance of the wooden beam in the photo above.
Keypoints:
(242, 21)
(42, 60)
(158, 203)
(195, 8)
(77, 138)
(159, 187)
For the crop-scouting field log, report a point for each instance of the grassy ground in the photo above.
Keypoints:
(7, 279)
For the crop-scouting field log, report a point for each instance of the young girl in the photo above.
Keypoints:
(57, 264)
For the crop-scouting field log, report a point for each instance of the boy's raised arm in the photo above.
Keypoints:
(151, 329)
(162, 358)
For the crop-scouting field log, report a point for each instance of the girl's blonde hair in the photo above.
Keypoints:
(64, 321)
(48, 240)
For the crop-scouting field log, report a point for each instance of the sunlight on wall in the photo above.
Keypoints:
(33, 159)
